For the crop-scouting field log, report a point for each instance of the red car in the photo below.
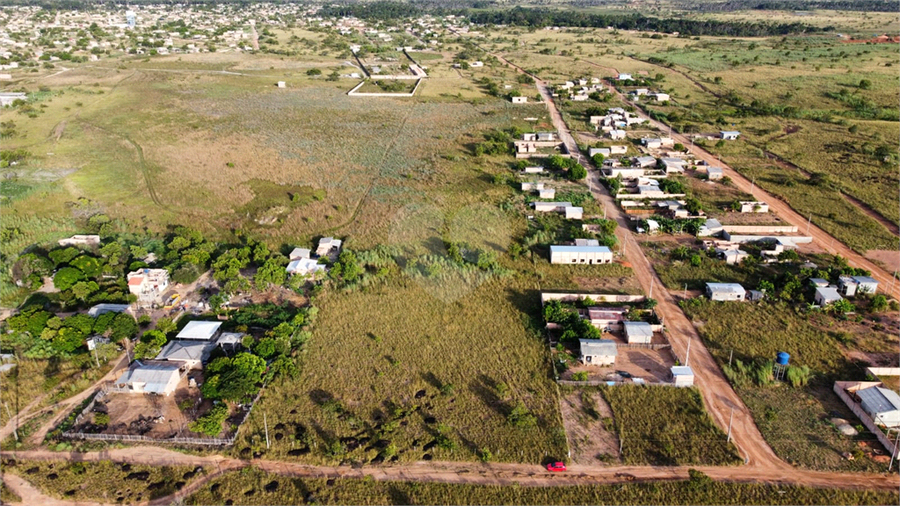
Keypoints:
(556, 467)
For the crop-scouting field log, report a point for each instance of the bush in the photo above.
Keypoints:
(577, 173)
(798, 376)
(210, 423)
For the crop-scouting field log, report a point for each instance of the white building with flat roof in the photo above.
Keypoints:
(580, 255)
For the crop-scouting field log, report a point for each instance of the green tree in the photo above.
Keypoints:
(64, 255)
(314, 72)
(66, 277)
(90, 266)
(166, 325)
(265, 347)
(211, 422)
(123, 326)
(577, 173)
(83, 289)
(272, 272)
(865, 84)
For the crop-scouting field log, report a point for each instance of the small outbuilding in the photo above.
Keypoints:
(598, 352)
(725, 291)
(714, 173)
(729, 135)
(100, 309)
(638, 332)
(200, 330)
(826, 295)
(882, 404)
(150, 378)
(519, 100)
(580, 255)
(849, 286)
(682, 376)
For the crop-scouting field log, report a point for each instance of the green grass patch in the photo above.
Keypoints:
(253, 486)
(666, 426)
(406, 368)
(271, 201)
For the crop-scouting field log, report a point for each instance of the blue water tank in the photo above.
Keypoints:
(782, 358)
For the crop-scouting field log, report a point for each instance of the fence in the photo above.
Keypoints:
(840, 389)
(144, 439)
(598, 297)
(354, 93)
(597, 383)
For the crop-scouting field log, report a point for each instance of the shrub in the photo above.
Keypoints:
(210, 423)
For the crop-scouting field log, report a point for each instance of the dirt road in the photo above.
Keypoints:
(465, 472)
(782, 208)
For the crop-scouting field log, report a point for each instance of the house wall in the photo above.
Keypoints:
(581, 258)
(575, 296)
(864, 417)
(598, 360)
(760, 229)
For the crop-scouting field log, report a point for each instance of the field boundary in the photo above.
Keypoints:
(353, 92)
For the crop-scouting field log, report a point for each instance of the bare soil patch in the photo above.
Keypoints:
(590, 440)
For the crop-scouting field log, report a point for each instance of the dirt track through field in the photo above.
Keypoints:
(527, 475)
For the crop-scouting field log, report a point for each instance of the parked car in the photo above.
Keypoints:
(556, 467)
(624, 374)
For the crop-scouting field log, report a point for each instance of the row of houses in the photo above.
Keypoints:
(847, 286)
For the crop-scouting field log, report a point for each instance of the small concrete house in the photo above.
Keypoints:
(327, 245)
(580, 255)
(305, 266)
(714, 173)
(282, 84)
(599, 151)
(729, 135)
(574, 213)
(200, 330)
(546, 193)
(188, 353)
(606, 318)
(849, 286)
(725, 291)
(826, 295)
(617, 134)
(150, 378)
(754, 207)
(624, 77)
(548, 207)
(818, 282)
(298, 253)
(598, 352)
(660, 97)
(645, 161)
(519, 100)
(882, 404)
(638, 332)
(532, 186)
(80, 240)
(732, 256)
(682, 376)
(533, 170)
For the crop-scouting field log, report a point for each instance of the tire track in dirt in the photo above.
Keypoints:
(145, 171)
(373, 180)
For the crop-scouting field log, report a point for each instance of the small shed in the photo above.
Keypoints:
(200, 330)
(729, 135)
(298, 253)
(682, 376)
(282, 84)
(598, 352)
(151, 378)
(574, 213)
(546, 193)
(826, 295)
(714, 173)
(882, 404)
(818, 282)
(519, 100)
(725, 291)
(638, 332)
(849, 286)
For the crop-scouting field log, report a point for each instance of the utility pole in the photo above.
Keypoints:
(752, 183)
(621, 442)
(266, 425)
(894, 452)
(687, 355)
(730, 419)
(96, 359)
(730, 355)
(16, 429)
(651, 289)
(684, 294)
(808, 223)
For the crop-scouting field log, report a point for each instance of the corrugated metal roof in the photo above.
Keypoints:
(638, 329)
(199, 330)
(605, 347)
(879, 399)
(682, 370)
(155, 377)
(185, 350)
(726, 288)
(579, 249)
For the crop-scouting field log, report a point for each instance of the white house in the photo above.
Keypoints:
(682, 376)
(638, 332)
(618, 150)
(882, 404)
(151, 378)
(645, 161)
(732, 256)
(673, 165)
(606, 318)
(598, 352)
(548, 207)
(305, 266)
(849, 286)
(599, 151)
(617, 135)
(528, 186)
(580, 255)
(148, 284)
(533, 170)
(725, 291)
(729, 135)
(546, 193)
(714, 173)
(660, 97)
(826, 295)
(80, 240)
(282, 84)
(519, 100)
(7, 99)
(327, 245)
(658, 142)
(298, 253)
(574, 213)
(624, 77)
(200, 330)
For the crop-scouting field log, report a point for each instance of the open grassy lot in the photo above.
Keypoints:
(273, 489)
(8, 496)
(407, 370)
(666, 426)
(102, 481)
(794, 420)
